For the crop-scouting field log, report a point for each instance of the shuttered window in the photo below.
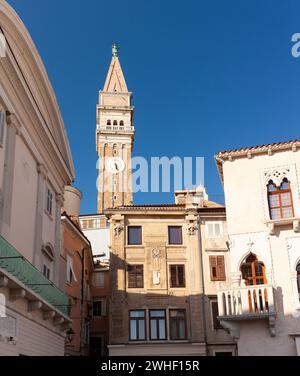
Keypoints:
(177, 276)
(217, 268)
(135, 276)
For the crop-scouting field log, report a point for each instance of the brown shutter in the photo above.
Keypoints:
(221, 275)
(173, 275)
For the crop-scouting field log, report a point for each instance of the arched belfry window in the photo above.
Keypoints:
(280, 200)
(108, 122)
(253, 271)
(121, 123)
(298, 278)
(115, 122)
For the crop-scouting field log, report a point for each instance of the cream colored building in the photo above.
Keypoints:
(259, 304)
(35, 165)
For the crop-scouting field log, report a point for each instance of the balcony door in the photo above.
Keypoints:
(253, 271)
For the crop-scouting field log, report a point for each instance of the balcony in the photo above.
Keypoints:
(24, 280)
(247, 303)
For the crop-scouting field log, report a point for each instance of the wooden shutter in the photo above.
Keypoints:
(139, 276)
(173, 275)
(221, 275)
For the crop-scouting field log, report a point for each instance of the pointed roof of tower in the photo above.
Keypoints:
(115, 81)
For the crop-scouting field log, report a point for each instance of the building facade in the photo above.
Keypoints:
(77, 266)
(35, 165)
(260, 305)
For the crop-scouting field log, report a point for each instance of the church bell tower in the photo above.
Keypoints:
(114, 139)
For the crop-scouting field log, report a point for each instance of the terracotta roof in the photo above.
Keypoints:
(166, 207)
(260, 148)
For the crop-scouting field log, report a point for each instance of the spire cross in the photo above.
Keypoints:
(115, 50)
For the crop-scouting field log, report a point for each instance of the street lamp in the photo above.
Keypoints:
(70, 335)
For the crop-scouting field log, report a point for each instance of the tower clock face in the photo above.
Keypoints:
(115, 165)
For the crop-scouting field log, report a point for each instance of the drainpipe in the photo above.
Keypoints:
(82, 303)
(203, 283)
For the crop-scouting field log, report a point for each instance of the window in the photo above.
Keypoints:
(134, 235)
(96, 346)
(217, 268)
(121, 123)
(157, 320)
(215, 314)
(298, 278)
(175, 234)
(253, 271)
(108, 122)
(214, 229)
(137, 325)
(49, 200)
(2, 125)
(177, 324)
(99, 307)
(280, 200)
(135, 276)
(46, 271)
(70, 271)
(98, 279)
(177, 276)
(115, 122)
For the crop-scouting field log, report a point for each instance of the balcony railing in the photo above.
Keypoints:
(116, 128)
(246, 302)
(15, 264)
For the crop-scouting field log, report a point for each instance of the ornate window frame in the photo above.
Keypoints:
(277, 174)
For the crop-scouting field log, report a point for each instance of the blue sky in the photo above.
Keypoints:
(206, 75)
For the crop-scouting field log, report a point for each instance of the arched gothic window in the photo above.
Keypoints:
(108, 122)
(280, 200)
(253, 271)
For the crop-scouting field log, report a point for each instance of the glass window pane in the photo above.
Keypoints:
(217, 230)
(162, 329)
(157, 313)
(153, 329)
(173, 333)
(286, 199)
(134, 235)
(275, 213)
(133, 332)
(137, 314)
(142, 330)
(182, 329)
(287, 212)
(284, 185)
(272, 187)
(274, 201)
(175, 235)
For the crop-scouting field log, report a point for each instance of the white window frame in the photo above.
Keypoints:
(214, 224)
(70, 270)
(49, 201)
(103, 307)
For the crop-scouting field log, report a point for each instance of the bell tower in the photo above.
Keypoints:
(114, 139)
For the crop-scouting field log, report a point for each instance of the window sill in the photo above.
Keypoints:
(273, 223)
(50, 216)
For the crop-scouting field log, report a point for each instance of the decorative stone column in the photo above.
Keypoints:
(13, 129)
(42, 175)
